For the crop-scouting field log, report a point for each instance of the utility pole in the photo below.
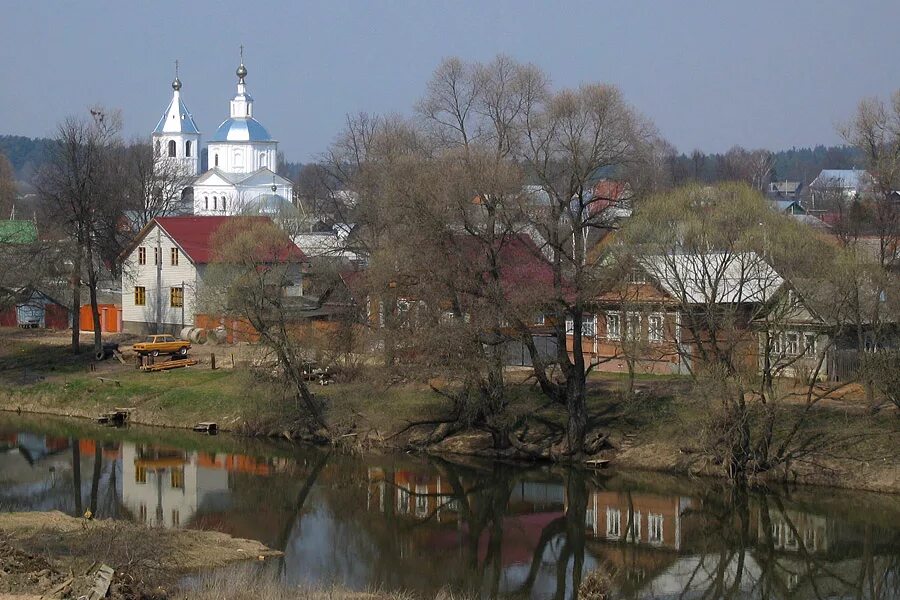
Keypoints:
(159, 260)
(182, 303)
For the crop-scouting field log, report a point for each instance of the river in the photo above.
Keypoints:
(489, 529)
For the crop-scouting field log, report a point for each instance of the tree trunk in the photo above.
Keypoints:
(576, 427)
(95, 310)
(76, 300)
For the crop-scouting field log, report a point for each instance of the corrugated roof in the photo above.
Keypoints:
(194, 236)
(18, 232)
(714, 278)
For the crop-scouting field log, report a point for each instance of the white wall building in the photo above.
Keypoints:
(165, 267)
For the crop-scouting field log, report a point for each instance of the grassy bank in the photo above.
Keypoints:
(656, 429)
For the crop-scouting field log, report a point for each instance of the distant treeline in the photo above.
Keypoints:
(797, 164)
(25, 154)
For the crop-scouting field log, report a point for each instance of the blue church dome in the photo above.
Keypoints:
(241, 129)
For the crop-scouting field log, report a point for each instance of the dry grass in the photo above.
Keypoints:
(250, 582)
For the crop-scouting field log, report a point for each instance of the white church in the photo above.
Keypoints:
(241, 157)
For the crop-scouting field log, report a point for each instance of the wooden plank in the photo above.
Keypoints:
(102, 581)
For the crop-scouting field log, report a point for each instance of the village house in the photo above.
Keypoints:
(164, 267)
(652, 321)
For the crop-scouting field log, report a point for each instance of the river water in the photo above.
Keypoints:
(487, 529)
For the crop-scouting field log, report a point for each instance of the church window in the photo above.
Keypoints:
(206, 202)
(187, 148)
(215, 202)
(223, 202)
(171, 148)
(156, 148)
(262, 159)
(238, 159)
(217, 160)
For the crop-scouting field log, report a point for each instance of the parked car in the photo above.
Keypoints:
(155, 345)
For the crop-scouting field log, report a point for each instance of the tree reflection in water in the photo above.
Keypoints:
(479, 528)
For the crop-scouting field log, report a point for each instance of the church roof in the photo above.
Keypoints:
(241, 129)
(177, 118)
(261, 176)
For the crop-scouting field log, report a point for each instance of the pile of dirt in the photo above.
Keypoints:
(53, 555)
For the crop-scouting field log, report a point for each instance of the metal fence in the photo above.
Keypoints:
(516, 354)
(844, 365)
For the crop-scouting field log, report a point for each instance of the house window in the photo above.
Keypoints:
(655, 328)
(588, 326)
(174, 257)
(655, 528)
(777, 345)
(614, 326)
(140, 295)
(142, 256)
(402, 500)
(421, 501)
(634, 528)
(187, 148)
(176, 518)
(792, 344)
(140, 475)
(177, 478)
(539, 319)
(613, 523)
(809, 344)
(156, 256)
(570, 326)
(176, 297)
(142, 513)
(633, 330)
(637, 276)
(171, 148)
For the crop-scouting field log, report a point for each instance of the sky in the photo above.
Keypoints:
(710, 75)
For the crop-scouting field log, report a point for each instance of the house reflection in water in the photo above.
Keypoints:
(637, 518)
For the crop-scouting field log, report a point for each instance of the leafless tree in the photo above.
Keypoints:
(81, 188)
(152, 187)
(875, 131)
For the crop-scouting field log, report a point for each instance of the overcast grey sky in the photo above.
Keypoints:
(710, 74)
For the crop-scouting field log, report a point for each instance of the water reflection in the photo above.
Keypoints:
(487, 529)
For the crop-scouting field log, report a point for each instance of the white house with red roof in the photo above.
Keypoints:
(164, 268)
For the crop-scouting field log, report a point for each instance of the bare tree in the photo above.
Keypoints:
(875, 131)
(254, 270)
(81, 189)
(152, 187)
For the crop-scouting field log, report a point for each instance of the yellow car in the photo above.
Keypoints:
(155, 345)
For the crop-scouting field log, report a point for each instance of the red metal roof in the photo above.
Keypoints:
(194, 235)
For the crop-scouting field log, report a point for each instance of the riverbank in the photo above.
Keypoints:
(657, 429)
(57, 556)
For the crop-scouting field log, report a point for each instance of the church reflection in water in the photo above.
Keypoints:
(486, 529)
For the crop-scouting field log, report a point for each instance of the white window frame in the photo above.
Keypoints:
(540, 319)
(655, 333)
(655, 528)
(570, 326)
(613, 523)
(637, 277)
(809, 344)
(634, 532)
(629, 330)
(792, 343)
(589, 326)
(614, 332)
